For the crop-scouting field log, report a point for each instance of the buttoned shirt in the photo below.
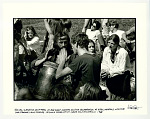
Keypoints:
(121, 63)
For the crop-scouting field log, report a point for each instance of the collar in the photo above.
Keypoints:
(117, 51)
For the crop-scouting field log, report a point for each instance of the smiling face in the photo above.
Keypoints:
(30, 34)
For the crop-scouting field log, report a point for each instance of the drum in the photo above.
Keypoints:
(45, 80)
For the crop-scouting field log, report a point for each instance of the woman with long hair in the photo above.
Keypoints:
(90, 91)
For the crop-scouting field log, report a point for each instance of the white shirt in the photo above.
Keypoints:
(93, 35)
(121, 64)
(34, 43)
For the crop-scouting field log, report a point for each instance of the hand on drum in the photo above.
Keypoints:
(62, 56)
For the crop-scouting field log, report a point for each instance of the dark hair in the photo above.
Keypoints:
(18, 26)
(114, 38)
(131, 36)
(114, 23)
(91, 41)
(91, 91)
(32, 29)
(66, 23)
(58, 27)
(55, 25)
(60, 36)
(98, 24)
(61, 92)
(82, 40)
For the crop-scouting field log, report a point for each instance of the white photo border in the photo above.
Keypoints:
(138, 10)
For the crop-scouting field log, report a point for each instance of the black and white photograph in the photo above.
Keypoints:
(74, 59)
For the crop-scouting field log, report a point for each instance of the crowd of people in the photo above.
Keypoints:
(92, 65)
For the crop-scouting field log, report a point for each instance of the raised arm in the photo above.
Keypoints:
(86, 22)
(48, 28)
(40, 59)
(50, 34)
(62, 58)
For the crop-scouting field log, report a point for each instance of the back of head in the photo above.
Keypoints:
(82, 40)
(61, 92)
(91, 91)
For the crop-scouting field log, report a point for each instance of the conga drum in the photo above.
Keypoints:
(45, 80)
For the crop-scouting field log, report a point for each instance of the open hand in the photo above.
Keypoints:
(62, 56)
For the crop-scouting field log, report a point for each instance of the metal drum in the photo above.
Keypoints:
(45, 80)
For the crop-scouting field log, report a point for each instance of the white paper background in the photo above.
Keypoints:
(74, 10)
